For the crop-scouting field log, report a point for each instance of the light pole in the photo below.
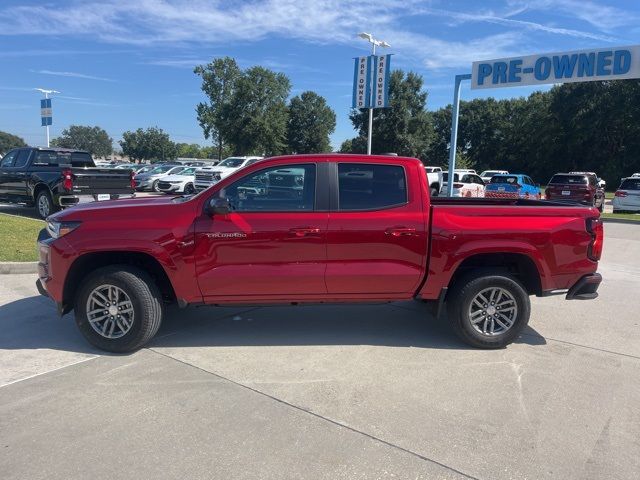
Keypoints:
(374, 43)
(46, 95)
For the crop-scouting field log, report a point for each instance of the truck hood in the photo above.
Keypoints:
(114, 208)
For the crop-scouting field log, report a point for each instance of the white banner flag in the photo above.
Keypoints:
(381, 86)
(362, 83)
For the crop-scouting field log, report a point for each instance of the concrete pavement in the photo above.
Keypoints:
(380, 391)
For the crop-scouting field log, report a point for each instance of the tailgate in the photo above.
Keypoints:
(101, 180)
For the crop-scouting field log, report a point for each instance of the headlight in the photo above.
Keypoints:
(59, 229)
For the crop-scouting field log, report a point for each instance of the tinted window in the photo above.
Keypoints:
(445, 177)
(368, 187)
(630, 184)
(511, 180)
(53, 158)
(81, 159)
(8, 159)
(569, 179)
(22, 158)
(290, 188)
(231, 162)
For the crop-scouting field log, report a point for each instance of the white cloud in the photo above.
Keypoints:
(72, 75)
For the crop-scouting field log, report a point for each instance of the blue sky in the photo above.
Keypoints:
(128, 64)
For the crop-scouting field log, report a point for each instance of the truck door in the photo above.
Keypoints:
(377, 237)
(16, 179)
(273, 243)
(5, 172)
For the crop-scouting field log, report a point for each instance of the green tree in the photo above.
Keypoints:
(9, 141)
(404, 128)
(150, 144)
(310, 123)
(219, 80)
(256, 116)
(94, 140)
(190, 150)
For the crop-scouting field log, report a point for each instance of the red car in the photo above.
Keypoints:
(316, 229)
(576, 187)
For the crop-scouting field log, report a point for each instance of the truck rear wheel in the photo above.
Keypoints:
(118, 308)
(488, 309)
(44, 204)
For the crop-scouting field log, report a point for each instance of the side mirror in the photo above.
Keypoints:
(218, 206)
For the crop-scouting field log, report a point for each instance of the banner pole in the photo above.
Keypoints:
(371, 99)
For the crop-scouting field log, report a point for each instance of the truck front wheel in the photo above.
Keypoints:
(488, 310)
(118, 308)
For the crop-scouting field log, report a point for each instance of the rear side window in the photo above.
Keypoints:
(569, 179)
(630, 184)
(371, 186)
(81, 159)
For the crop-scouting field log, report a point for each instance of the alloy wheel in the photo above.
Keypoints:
(110, 311)
(493, 311)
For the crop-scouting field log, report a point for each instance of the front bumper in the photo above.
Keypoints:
(586, 288)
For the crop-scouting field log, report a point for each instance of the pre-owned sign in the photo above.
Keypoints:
(577, 66)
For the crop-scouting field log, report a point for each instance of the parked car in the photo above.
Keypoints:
(464, 185)
(126, 166)
(434, 179)
(582, 188)
(207, 176)
(512, 186)
(149, 180)
(601, 183)
(363, 229)
(54, 178)
(627, 197)
(466, 170)
(636, 175)
(487, 174)
(179, 182)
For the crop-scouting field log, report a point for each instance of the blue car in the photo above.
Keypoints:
(512, 185)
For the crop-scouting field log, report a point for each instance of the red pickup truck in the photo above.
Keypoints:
(317, 229)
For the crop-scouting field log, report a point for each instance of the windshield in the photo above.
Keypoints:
(569, 179)
(188, 171)
(231, 162)
(161, 169)
(511, 180)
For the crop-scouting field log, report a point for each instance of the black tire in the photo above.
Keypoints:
(154, 186)
(146, 301)
(44, 204)
(189, 189)
(601, 207)
(434, 192)
(462, 295)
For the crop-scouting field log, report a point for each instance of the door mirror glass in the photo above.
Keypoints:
(218, 206)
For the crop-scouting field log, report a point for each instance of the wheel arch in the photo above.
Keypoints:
(89, 262)
(518, 265)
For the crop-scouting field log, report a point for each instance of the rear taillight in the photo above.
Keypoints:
(620, 193)
(596, 229)
(458, 185)
(132, 179)
(67, 180)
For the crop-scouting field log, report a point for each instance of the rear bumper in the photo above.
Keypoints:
(586, 288)
(71, 200)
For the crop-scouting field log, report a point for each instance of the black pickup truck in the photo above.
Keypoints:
(54, 178)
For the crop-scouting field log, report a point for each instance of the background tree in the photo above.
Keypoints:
(150, 144)
(255, 119)
(9, 141)
(404, 128)
(94, 140)
(310, 123)
(219, 80)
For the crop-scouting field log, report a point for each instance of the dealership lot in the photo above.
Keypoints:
(380, 391)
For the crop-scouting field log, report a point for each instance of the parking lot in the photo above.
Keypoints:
(379, 391)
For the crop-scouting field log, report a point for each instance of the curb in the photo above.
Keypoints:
(620, 220)
(7, 268)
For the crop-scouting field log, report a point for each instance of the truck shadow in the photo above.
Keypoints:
(32, 323)
(19, 210)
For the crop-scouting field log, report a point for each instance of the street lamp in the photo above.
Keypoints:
(374, 43)
(46, 95)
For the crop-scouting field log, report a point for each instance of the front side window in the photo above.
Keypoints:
(370, 186)
(285, 188)
(231, 162)
(8, 159)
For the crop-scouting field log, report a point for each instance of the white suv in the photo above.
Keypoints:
(207, 176)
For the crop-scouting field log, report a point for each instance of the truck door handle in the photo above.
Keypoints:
(400, 231)
(304, 231)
